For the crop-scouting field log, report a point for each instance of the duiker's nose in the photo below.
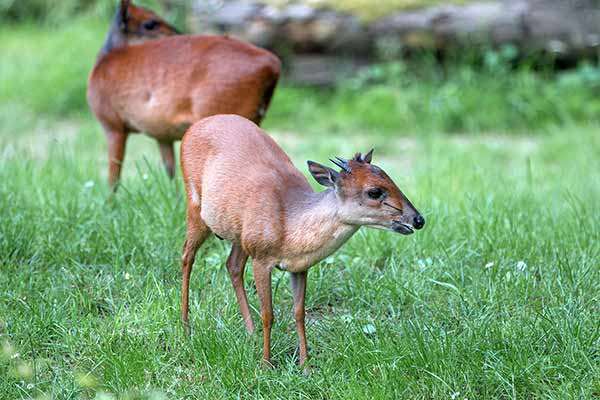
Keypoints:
(418, 221)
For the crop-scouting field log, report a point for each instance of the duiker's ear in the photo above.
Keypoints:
(322, 174)
(368, 157)
(124, 11)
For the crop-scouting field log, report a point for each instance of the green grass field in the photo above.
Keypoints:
(498, 297)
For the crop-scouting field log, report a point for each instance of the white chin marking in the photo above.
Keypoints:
(381, 227)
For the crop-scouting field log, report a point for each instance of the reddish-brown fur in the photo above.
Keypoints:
(148, 81)
(241, 186)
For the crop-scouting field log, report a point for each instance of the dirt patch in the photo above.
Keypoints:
(37, 142)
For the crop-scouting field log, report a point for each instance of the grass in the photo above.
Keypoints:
(498, 297)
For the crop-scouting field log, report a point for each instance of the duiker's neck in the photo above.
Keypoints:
(314, 225)
(303, 204)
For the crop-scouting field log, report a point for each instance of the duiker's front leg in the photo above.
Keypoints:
(262, 280)
(116, 154)
(298, 280)
(236, 263)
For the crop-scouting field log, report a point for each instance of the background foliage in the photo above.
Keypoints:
(41, 10)
(464, 95)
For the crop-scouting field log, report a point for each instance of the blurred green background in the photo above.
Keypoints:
(52, 47)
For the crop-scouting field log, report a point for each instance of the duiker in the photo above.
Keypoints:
(242, 187)
(149, 79)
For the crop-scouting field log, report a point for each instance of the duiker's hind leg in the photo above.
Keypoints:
(197, 232)
(236, 263)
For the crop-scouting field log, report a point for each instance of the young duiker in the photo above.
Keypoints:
(147, 80)
(242, 187)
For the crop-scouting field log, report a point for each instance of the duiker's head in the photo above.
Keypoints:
(368, 196)
(133, 24)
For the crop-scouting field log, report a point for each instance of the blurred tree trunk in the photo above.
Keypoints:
(568, 29)
(565, 28)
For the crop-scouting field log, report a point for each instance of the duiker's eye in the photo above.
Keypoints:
(151, 25)
(375, 193)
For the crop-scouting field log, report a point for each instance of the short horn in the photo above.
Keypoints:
(343, 164)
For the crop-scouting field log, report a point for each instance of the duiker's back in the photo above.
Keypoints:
(163, 86)
(231, 154)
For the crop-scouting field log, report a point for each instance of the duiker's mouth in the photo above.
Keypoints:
(402, 228)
